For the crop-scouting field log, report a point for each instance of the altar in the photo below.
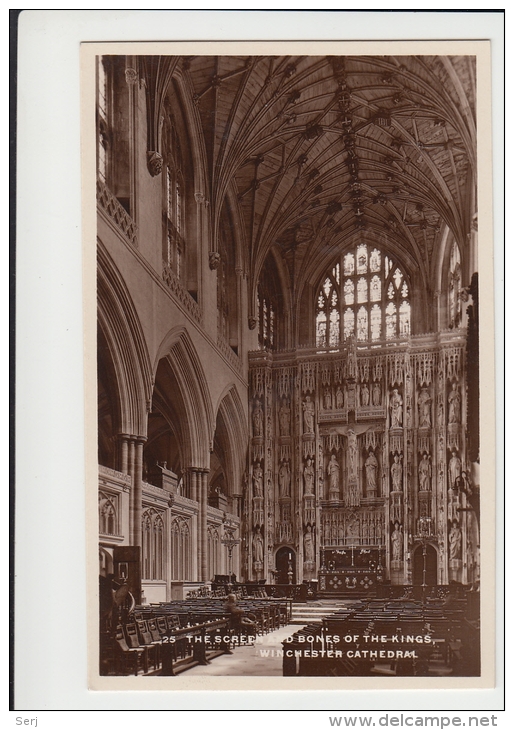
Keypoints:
(351, 571)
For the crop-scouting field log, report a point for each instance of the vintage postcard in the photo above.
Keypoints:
(290, 422)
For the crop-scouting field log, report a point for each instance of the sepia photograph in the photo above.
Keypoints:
(288, 421)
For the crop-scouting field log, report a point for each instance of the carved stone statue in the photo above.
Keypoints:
(308, 477)
(424, 473)
(284, 418)
(377, 395)
(424, 408)
(352, 454)
(454, 469)
(396, 474)
(395, 406)
(258, 548)
(214, 260)
(339, 398)
(308, 545)
(327, 399)
(453, 504)
(258, 490)
(397, 542)
(333, 477)
(364, 394)
(258, 419)
(308, 415)
(454, 405)
(284, 479)
(455, 540)
(371, 466)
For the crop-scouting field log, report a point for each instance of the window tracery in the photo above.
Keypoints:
(372, 304)
(180, 550)
(174, 243)
(213, 551)
(107, 514)
(152, 526)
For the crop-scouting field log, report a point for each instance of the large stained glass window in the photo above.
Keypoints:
(366, 296)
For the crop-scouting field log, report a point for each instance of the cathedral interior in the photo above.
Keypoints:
(287, 325)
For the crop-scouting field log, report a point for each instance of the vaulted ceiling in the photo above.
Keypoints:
(318, 148)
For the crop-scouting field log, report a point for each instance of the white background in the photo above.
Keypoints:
(50, 516)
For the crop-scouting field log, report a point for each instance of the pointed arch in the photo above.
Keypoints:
(124, 338)
(195, 407)
(235, 425)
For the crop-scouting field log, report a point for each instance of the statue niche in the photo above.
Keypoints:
(424, 473)
(371, 469)
(284, 479)
(454, 405)
(424, 409)
(308, 478)
(308, 415)
(284, 418)
(333, 478)
(396, 409)
(258, 420)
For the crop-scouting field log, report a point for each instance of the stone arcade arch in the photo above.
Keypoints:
(121, 329)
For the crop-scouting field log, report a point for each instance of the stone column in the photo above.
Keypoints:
(131, 470)
(123, 451)
(138, 489)
(192, 483)
(202, 477)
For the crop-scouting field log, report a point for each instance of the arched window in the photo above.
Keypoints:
(454, 287)
(152, 526)
(180, 550)
(270, 307)
(107, 514)
(173, 209)
(364, 295)
(213, 551)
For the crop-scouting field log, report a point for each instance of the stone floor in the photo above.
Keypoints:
(259, 660)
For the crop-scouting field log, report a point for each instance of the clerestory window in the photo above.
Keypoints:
(173, 178)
